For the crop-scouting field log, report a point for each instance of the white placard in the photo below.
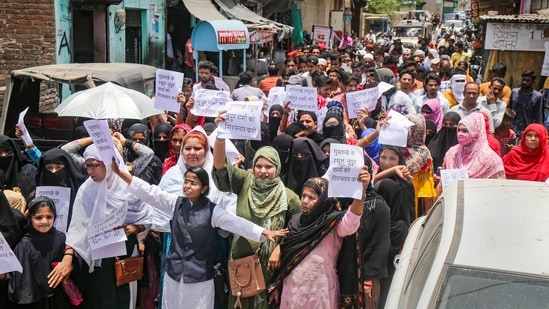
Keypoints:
(101, 136)
(362, 98)
(230, 148)
(448, 176)
(61, 196)
(25, 136)
(276, 96)
(320, 116)
(116, 249)
(545, 65)
(103, 233)
(302, 98)
(168, 85)
(243, 120)
(209, 102)
(382, 87)
(346, 161)
(8, 260)
(395, 133)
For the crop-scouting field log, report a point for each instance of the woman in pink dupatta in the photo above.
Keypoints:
(473, 152)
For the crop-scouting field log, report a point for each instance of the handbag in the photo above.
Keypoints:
(128, 269)
(246, 277)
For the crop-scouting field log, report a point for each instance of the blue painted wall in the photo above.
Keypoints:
(152, 43)
(152, 18)
(63, 33)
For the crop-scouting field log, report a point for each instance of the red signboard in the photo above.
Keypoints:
(231, 37)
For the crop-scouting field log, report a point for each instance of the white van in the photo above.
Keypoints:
(409, 29)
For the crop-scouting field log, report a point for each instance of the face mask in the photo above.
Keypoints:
(5, 162)
(464, 139)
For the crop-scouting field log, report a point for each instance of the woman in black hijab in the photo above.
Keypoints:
(19, 172)
(282, 144)
(368, 249)
(152, 172)
(444, 139)
(306, 161)
(333, 126)
(275, 115)
(162, 140)
(56, 168)
(399, 194)
(308, 271)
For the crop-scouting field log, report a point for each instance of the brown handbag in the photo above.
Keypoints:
(128, 269)
(246, 277)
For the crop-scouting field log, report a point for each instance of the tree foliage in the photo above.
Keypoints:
(382, 6)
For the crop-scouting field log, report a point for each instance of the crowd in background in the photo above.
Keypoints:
(190, 209)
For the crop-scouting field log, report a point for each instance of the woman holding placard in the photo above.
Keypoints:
(308, 277)
(102, 196)
(262, 199)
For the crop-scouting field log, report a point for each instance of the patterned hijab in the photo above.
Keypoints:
(478, 158)
(418, 156)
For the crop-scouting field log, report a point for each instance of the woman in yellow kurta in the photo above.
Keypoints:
(420, 163)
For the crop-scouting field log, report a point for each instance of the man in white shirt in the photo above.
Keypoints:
(432, 88)
(470, 104)
(493, 103)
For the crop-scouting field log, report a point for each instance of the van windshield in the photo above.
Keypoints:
(407, 32)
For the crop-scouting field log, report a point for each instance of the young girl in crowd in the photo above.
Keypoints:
(41, 245)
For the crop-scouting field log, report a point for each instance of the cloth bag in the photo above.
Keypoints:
(246, 277)
(71, 289)
(128, 269)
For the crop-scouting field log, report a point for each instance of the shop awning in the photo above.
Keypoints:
(251, 19)
(203, 10)
(218, 35)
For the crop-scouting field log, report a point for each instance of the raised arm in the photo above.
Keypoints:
(219, 145)
(150, 194)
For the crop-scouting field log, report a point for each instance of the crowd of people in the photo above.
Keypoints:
(191, 208)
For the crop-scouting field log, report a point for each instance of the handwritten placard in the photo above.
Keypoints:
(168, 85)
(25, 136)
(61, 196)
(449, 176)
(243, 121)
(103, 233)
(8, 260)
(346, 162)
(276, 96)
(302, 98)
(359, 99)
(395, 133)
(209, 102)
(101, 136)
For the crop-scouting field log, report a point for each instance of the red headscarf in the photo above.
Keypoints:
(171, 160)
(525, 165)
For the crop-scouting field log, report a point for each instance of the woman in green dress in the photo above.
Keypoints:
(262, 199)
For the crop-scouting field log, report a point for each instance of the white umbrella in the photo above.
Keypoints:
(106, 102)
